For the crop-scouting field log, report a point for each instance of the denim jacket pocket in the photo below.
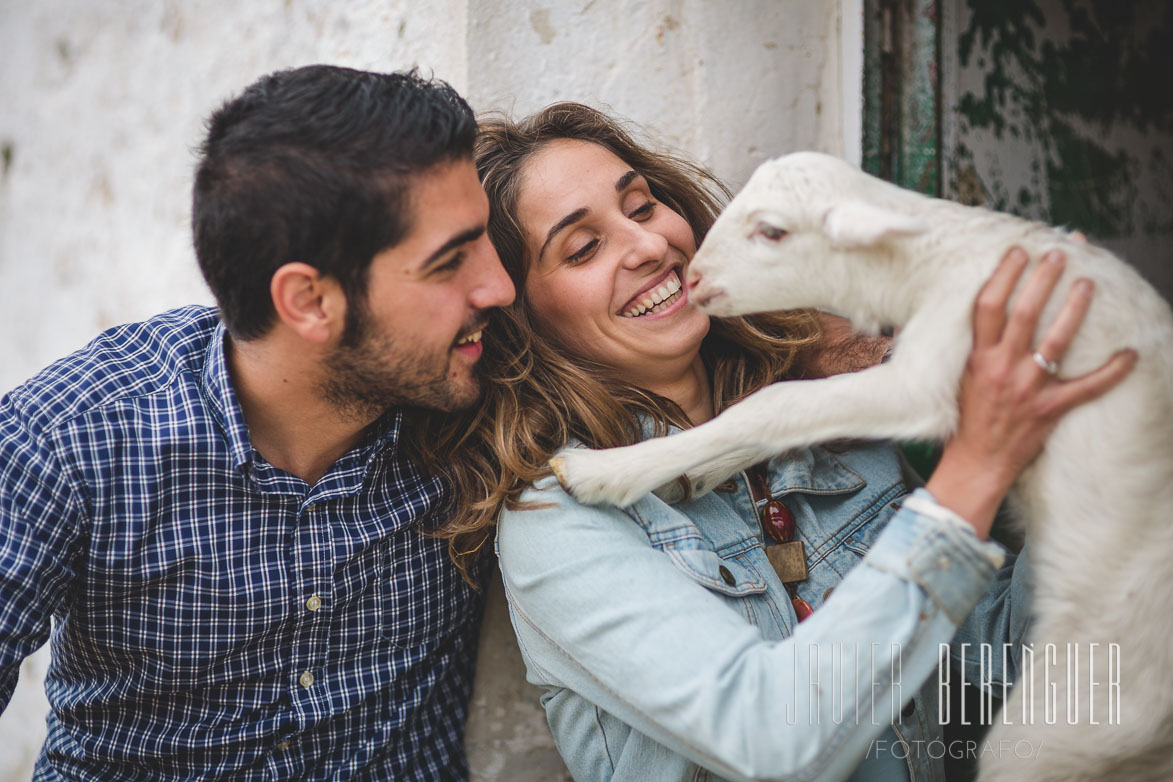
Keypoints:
(727, 576)
(861, 540)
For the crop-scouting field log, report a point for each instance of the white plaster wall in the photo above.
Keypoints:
(732, 83)
(103, 103)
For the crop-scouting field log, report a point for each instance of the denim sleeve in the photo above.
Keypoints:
(38, 529)
(599, 611)
(1000, 622)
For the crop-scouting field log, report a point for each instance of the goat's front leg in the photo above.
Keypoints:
(877, 403)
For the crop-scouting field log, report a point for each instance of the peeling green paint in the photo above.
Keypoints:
(1062, 84)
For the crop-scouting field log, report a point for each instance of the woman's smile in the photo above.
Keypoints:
(607, 262)
(663, 297)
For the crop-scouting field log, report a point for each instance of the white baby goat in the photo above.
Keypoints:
(809, 230)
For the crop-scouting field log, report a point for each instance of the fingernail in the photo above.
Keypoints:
(1055, 256)
(1017, 255)
(1084, 285)
(1131, 354)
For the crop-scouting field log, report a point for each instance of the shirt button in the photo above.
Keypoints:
(284, 745)
(727, 576)
(314, 603)
(306, 679)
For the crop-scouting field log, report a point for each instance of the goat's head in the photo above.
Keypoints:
(796, 236)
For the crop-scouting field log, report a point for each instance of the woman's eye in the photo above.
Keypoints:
(584, 253)
(770, 232)
(643, 211)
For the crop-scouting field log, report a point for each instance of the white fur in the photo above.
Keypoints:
(1097, 501)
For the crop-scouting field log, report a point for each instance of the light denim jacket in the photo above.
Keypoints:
(669, 650)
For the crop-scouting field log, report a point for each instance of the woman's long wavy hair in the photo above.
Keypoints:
(537, 394)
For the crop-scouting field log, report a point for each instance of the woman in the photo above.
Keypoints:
(666, 638)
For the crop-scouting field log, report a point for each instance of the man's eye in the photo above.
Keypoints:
(584, 253)
(452, 264)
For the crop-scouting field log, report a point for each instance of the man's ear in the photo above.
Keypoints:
(853, 224)
(312, 305)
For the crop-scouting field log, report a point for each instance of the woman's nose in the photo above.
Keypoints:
(644, 246)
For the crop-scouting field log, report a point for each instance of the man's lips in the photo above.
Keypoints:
(470, 338)
(469, 345)
(472, 334)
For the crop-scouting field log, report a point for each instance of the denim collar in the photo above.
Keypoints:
(810, 470)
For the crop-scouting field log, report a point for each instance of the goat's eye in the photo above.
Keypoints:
(770, 232)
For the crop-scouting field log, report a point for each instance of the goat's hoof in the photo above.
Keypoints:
(558, 465)
(591, 479)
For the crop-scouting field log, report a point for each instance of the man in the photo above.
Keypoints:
(214, 506)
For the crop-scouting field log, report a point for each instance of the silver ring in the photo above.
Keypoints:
(1050, 367)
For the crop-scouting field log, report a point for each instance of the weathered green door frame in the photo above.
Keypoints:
(901, 92)
(902, 113)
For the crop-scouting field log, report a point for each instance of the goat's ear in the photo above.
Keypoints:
(859, 224)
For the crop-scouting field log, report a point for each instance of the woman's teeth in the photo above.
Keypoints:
(469, 339)
(657, 298)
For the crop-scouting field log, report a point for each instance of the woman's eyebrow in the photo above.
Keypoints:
(621, 183)
(570, 219)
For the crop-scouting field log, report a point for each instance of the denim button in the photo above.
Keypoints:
(828, 593)
(727, 576)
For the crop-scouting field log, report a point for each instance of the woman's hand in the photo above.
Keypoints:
(1009, 402)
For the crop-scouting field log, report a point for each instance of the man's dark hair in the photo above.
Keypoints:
(315, 165)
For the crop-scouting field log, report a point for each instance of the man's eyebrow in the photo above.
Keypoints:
(464, 237)
(570, 219)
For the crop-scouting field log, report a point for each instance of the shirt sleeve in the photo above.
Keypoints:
(601, 612)
(38, 530)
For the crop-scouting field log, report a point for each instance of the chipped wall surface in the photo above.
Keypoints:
(733, 83)
(1058, 111)
(104, 103)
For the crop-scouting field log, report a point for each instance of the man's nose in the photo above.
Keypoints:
(492, 287)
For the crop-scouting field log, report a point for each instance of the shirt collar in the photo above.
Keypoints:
(221, 398)
(382, 435)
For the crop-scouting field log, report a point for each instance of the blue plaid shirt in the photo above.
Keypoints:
(214, 616)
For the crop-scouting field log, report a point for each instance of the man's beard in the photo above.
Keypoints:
(368, 374)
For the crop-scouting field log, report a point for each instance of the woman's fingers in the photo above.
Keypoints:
(1024, 316)
(990, 307)
(1062, 331)
(1085, 388)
